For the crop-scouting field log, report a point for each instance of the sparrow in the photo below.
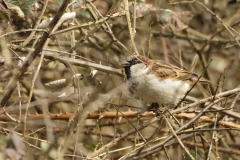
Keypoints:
(156, 81)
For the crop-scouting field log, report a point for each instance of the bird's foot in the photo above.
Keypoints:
(153, 107)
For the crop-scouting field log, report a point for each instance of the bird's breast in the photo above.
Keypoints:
(151, 89)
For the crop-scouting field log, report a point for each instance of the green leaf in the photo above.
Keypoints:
(13, 2)
(59, 1)
(25, 5)
(52, 153)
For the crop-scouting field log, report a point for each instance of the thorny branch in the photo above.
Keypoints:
(95, 40)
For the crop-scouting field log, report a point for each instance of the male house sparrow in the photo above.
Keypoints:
(157, 81)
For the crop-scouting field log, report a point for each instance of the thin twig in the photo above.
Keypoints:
(176, 136)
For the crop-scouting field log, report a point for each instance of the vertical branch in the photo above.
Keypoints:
(131, 32)
(19, 73)
(36, 26)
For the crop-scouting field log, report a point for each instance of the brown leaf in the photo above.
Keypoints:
(142, 9)
(175, 20)
(167, 18)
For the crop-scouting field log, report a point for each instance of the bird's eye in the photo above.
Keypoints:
(135, 61)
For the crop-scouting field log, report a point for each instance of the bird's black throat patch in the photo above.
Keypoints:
(127, 71)
(128, 65)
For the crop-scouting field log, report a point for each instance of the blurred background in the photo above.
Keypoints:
(79, 101)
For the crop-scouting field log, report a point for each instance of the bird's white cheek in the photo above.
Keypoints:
(139, 70)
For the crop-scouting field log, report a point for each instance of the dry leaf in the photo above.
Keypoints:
(175, 20)
(167, 18)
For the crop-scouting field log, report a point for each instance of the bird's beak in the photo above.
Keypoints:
(125, 64)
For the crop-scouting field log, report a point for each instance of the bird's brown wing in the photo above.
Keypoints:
(165, 70)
